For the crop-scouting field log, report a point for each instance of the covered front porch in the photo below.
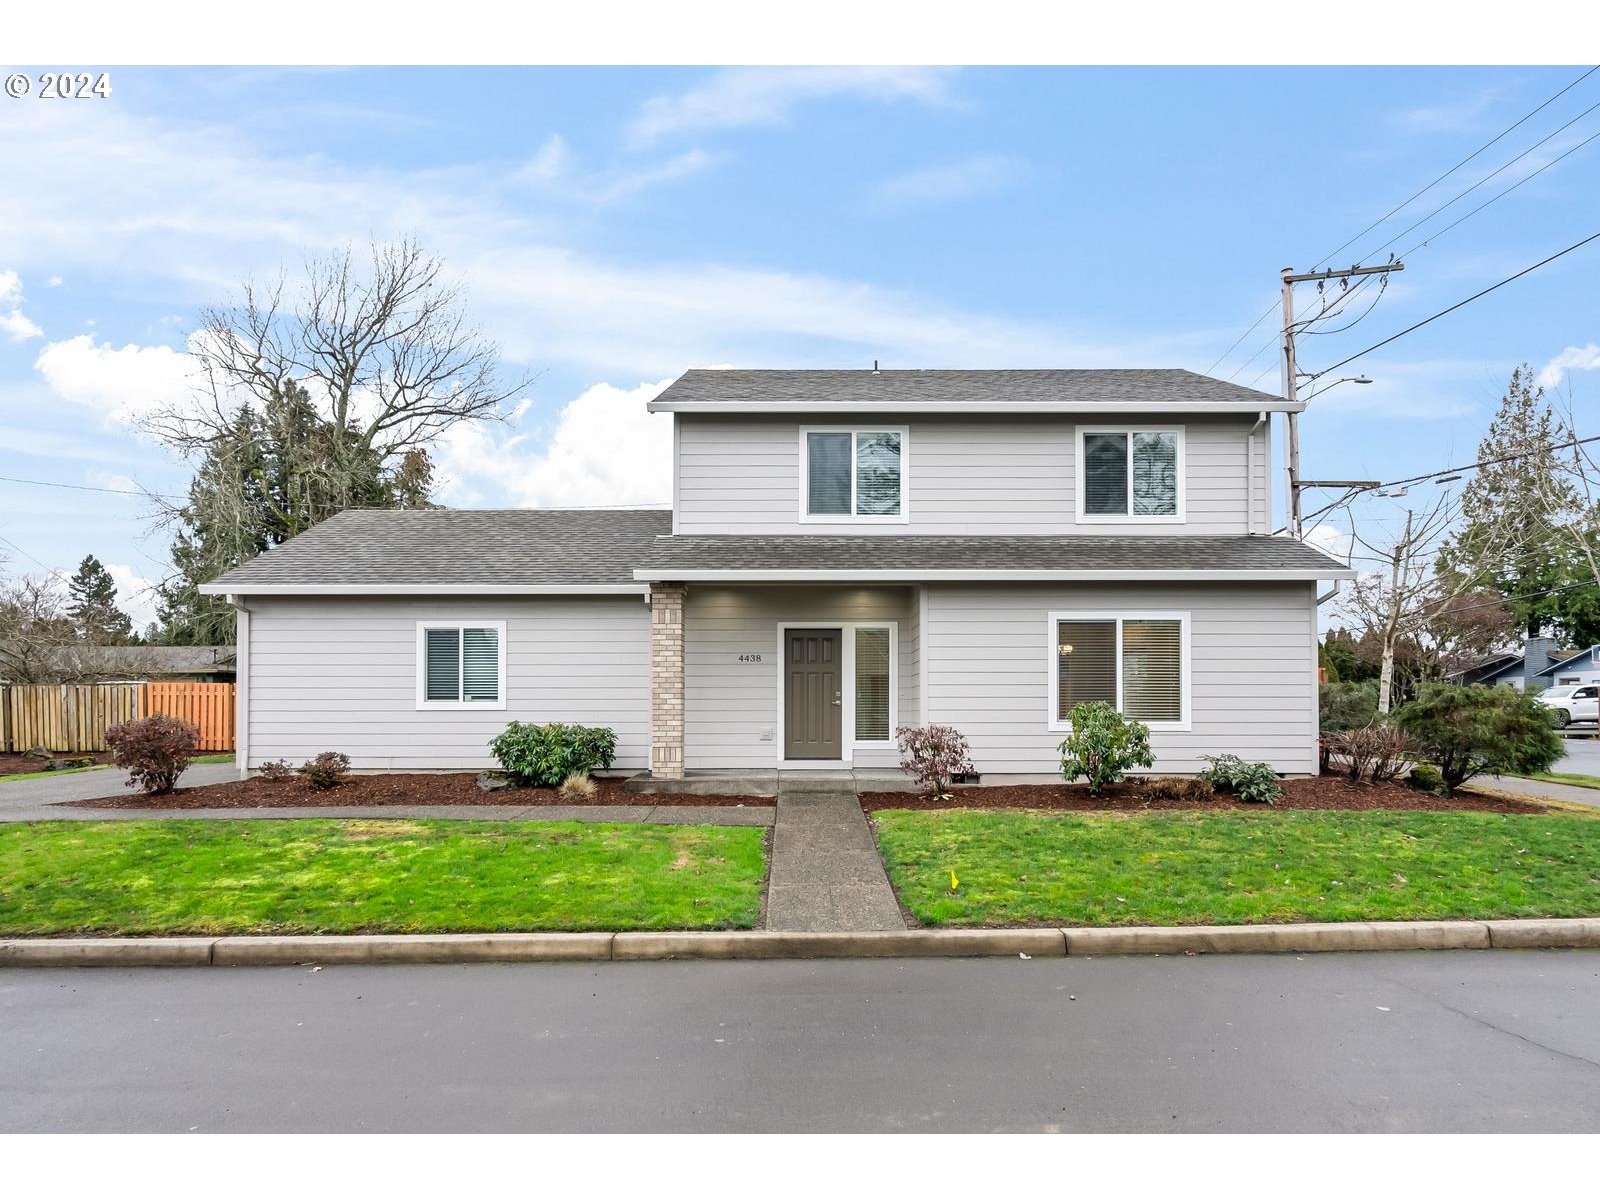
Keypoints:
(748, 681)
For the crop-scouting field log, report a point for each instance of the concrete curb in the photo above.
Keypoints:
(1575, 933)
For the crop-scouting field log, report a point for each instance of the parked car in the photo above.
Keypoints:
(1572, 703)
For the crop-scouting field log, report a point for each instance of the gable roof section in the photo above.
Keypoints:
(1576, 660)
(921, 558)
(1110, 391)
(447, 551)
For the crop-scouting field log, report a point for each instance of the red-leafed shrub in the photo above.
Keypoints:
(326, 770)
(931, 754)
(154, 750)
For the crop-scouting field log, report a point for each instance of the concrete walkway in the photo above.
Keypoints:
(1541, 790)
(826, 876)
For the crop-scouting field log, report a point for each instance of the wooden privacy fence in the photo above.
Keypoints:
(74, 717)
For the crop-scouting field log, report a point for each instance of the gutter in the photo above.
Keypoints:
(1165, 408)
(223, 588)
(914, 575)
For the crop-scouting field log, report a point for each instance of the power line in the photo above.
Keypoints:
(81, 487)
(1458, 304)
(1403, 204)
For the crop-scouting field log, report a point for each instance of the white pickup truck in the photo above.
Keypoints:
(1572, 704)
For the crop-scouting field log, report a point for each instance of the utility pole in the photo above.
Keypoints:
(1291, 372)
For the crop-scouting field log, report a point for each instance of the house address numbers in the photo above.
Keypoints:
(750, 656)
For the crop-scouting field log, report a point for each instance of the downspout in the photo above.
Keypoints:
(1250, 473)
(241, 687)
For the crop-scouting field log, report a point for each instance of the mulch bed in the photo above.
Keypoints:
(1323, 792)
(22, 764)
(460, 788)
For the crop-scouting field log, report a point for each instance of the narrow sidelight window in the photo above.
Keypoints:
(461, 665)
(854, 473)
(1130, 473)
(872, 685)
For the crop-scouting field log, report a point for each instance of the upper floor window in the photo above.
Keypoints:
(1130, 474)
(854, 474)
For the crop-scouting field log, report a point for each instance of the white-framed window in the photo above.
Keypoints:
(1130, 474)
(461, 664)
(873, 667)
(853, 474)
(1137, 661)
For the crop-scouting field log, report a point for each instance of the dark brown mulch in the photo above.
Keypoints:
(458, 788)
(1323, 792)
(23, 764)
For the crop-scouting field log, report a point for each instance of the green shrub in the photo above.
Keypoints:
(1425, 777)
(1102, 746)
(1467, 731)
(1343, 706)
(1255, 783)
(545, 755)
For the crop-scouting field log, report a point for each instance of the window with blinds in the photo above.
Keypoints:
(1152, 666)
(1130, 473)
(1134, 663)
(853, 473)
(461, 665)
(872, 685)
(1086, 657)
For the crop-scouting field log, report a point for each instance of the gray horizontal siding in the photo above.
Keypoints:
(986, 670)
(340, 674)
(731, 708)
(997, 474)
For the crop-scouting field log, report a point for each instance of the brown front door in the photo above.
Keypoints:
(813, 701)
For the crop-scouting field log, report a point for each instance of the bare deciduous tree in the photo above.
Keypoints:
(36, 635)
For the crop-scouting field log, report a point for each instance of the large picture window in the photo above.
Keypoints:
(461, 664)
(1137, 662)
(854, 474)
(1130, 474)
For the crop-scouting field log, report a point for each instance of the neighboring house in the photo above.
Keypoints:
(91, 664)
(1540, 665)
(847, 551)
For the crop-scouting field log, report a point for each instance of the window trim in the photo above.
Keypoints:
(1180, 517)
(852, 518)
(1057, 724)
(458, 624)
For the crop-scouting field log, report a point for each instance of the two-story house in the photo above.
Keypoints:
(846, 552)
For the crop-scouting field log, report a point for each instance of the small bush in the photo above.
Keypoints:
(577, 787)
(545, 755)
(1467, 731)
(1186, 788)
(1376, 752)
(154, 750)
(1102, 746)
(932, 754)
(326, 770)
(1342, 706)
(277, 770)
(1254, 783)
(1425, 777)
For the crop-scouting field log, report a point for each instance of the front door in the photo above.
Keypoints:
(813, 700)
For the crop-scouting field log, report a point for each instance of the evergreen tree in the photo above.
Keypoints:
(92, 606)
(1507, 540)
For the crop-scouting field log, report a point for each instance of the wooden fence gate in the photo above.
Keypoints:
(74, 717)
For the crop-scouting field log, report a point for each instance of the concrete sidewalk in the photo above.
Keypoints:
(826, 875)
(1538, 789)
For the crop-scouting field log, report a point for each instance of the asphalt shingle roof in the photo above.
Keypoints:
(456, 546)
(893, 552)
(893, 388)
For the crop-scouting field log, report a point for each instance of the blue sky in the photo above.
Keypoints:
(614, 227)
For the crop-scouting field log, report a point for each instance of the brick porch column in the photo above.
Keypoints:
(666, 680)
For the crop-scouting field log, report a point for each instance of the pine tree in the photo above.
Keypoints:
(1507, 540)
(93, 607)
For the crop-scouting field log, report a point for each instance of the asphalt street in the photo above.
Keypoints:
(1503, 1040)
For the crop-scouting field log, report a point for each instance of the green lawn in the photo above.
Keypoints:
(394, 876)
(1588, 781)
(1239, 868)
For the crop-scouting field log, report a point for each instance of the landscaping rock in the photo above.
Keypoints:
(494, 781)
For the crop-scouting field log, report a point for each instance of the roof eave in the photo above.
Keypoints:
(908, 575)
(220, 588)
(1166, 407)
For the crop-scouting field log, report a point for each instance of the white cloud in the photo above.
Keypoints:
(954, 181)
(53, 281)
(551, 161)
(136, 595)
(120, 384)
(13, 323)
(604, 449)
(554, 171)
(629, 183)
(1573, 358)
(768, 95)
(1330, 539)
